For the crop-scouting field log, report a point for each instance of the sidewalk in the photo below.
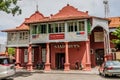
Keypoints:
(93, 71)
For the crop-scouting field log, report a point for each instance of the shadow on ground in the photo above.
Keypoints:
(26, 73)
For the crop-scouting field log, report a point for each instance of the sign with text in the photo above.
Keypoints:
(56, 36)
(69, 46)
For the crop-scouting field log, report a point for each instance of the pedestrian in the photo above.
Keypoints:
(81, 66)
(77, 65)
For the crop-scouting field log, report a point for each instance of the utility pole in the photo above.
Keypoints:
(107, 42)
(106, 8)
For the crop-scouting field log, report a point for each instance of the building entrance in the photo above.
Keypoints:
(99, 56)
(60, 60)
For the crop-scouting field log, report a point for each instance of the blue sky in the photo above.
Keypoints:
(47, 7)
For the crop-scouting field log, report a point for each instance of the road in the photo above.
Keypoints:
(60, 76)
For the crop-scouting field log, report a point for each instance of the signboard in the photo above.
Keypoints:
(35, 36)
(80, 33)
(56, 36)
(98, 36)
(118, 55)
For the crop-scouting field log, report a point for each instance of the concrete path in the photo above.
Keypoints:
(93, 71)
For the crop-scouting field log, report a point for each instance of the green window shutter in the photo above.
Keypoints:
(33, 31)
(88, 27)
(39, 29)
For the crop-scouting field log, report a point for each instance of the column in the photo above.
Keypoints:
(107, 46)
(88, 62)
(109, 56)
(108, 38)
(40, 55)
(29, 64)
(47, 64)
(67, 64)
(17, 57)
(6, 52)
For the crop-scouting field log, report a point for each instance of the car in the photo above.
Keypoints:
(109, 68)
(7, 67)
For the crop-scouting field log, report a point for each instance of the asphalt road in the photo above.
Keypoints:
(60, 76)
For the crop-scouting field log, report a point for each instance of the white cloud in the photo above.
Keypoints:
(3, 40)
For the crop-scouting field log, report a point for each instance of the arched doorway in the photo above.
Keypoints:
(98, 45)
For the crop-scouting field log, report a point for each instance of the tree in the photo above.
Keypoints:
(117, 40)
(10, 6)
(11, 51)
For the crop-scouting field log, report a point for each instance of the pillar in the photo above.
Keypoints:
(110, 57)
(17, 57)
(29, 64)
(88, 62)
(6, 52)
(40, 55)
(105, 46)
(47, 64)
(67, 64)
(107, 55)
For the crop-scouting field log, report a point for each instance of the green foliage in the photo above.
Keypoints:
(117, 40)
(11, 51)
(10, 6)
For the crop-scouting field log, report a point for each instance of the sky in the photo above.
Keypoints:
(48, 7)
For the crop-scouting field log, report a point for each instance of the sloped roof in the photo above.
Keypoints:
(37, 16)
(69, 12)
(66, 13)
(33, 18)
(114, 22)
(22, 27)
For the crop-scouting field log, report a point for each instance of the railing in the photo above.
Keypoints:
(18, 42)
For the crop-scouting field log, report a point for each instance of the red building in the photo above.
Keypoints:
(60, 40)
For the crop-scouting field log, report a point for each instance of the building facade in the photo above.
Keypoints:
(61, 40)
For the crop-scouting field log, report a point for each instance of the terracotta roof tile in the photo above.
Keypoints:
(37, 16)
(22, 27)
(69, 11)
(34, 17)
(66, 13)
(114, 22)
